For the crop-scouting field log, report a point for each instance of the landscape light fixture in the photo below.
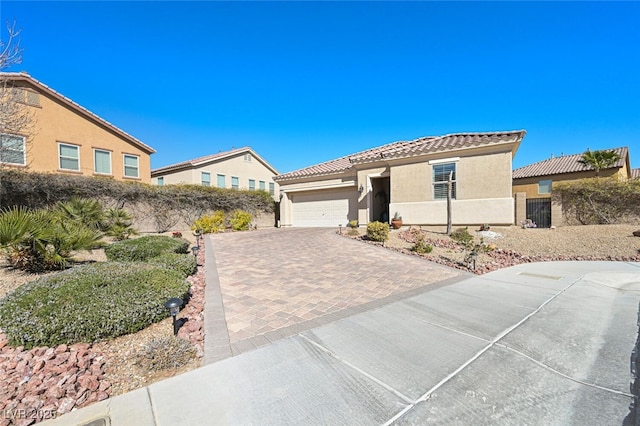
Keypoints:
(198, 234)
(195, 250)
(173, 305)
(340, 229)
(474, 257)
(361, 189)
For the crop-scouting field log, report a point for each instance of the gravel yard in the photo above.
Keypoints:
(511, 245)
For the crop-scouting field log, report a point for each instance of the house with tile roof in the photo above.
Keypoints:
(410, 178)
(64, 137)
(240, 168)
(533, 184)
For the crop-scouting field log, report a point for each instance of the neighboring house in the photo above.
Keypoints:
(409, 178)
(239, 168)
(67, 138)
(635, 173)
(533, 184)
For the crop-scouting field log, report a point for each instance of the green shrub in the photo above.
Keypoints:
(421, 246)
(145, 248)
(462, 237)
(210, 224)
(89, 303)
(378, 231)
(183, 263)
(118, 224)
(352, 224)
(241, 220)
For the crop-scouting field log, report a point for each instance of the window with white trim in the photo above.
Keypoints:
(222, 183)
(69, 157)
(252, 184)
(262, 185)
(102, 161)
(161, 181)
(272, 188)
(544, 186)
(131, 166)
(235, 182)
(205, 178)
(441, 174)
(12, 150)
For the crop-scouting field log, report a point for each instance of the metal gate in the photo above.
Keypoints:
(539, 211)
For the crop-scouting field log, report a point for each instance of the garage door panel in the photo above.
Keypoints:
(324, 209)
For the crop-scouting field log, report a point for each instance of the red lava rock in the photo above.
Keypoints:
(89, 382)
(104, 385)
(37, 366)
(55, 392)
(102, 395)
(61, 348)
(78, 347)
(61, 358)
(66, 405)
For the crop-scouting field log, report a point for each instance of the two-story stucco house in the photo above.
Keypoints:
(410, 178)
(239, 168)
(64, 137)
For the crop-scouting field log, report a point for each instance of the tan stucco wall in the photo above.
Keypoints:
(234, 166)
(485, 176)
(493, 211)
(530, 185)
(55, 122)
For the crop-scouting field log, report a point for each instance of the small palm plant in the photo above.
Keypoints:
(599, 160)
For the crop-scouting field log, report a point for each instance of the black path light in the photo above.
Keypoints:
(173, 305)
(195, 250)
(197, 233)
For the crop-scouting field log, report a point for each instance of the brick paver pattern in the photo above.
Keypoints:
(275, 278)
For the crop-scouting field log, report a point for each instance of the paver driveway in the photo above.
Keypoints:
(279, 282)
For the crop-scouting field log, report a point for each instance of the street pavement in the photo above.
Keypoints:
(537, 344)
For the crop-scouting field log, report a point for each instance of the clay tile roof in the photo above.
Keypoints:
(404, 149)
(563, 164)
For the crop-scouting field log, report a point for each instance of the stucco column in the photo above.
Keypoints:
(286, 218)
(521, 207)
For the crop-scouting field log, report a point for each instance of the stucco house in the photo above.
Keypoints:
(239, 168)
(533, 184)
(410, 178)
(64, 137)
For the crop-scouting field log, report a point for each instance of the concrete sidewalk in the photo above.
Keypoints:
(542, 343)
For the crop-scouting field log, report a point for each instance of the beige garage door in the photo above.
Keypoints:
(324, 208)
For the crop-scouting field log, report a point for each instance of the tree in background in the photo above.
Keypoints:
(16, 118)
(599, 160)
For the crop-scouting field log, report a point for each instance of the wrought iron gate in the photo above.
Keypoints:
(539, 211)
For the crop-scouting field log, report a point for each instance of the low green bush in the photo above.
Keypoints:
(421, 246)
(462, 237)
(89, 303)
(241, 220)
(378, 231)
(183, 263)
(145, 248)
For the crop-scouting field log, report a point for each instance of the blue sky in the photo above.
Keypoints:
(306, 82)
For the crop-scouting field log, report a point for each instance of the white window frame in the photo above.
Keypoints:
(95, 163)
(252, 184)
(124, 166)
(60, 157)
(262, 185)
(223, 178)
(160, 180)
(23, 150)
(235, 185)
(545, 183)
(204, 182)
(272, 188)
(439, 163)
